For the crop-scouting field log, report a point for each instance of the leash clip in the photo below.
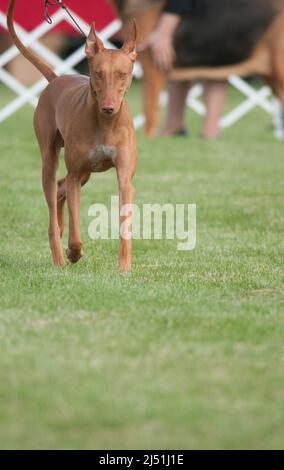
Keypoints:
(48, 3)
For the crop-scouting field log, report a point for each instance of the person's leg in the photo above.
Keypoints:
(214, 100)
(175, 120)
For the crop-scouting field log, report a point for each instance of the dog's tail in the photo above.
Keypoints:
(45, 69)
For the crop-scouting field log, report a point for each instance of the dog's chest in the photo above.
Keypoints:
(102, 157)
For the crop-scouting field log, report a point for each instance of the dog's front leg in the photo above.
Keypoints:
(126, 207)
(49, 167)
(74, 251)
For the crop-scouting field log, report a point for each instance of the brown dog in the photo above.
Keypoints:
(264, 58)
(91, 120)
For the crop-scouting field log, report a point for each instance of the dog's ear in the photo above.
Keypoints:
(129, 45)
(93, 44)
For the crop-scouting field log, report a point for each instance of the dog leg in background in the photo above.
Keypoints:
(153, 80)
(153, 84)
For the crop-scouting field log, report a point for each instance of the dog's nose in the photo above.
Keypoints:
(108, 109)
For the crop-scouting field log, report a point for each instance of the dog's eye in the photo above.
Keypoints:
(122, 75)
(98, 75)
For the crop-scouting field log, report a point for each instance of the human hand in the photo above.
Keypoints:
(160, 42)
(161, 49)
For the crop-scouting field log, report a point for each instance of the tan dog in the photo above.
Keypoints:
(91, 120)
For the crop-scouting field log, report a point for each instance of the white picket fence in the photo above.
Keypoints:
(24, 95)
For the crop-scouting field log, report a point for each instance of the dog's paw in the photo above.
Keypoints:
(74, 255)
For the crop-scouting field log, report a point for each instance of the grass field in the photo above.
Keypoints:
(187, 351)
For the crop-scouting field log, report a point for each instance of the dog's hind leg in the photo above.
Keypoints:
(61, 199)
(73, 193)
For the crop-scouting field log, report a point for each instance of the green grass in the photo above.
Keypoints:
(187, 351)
